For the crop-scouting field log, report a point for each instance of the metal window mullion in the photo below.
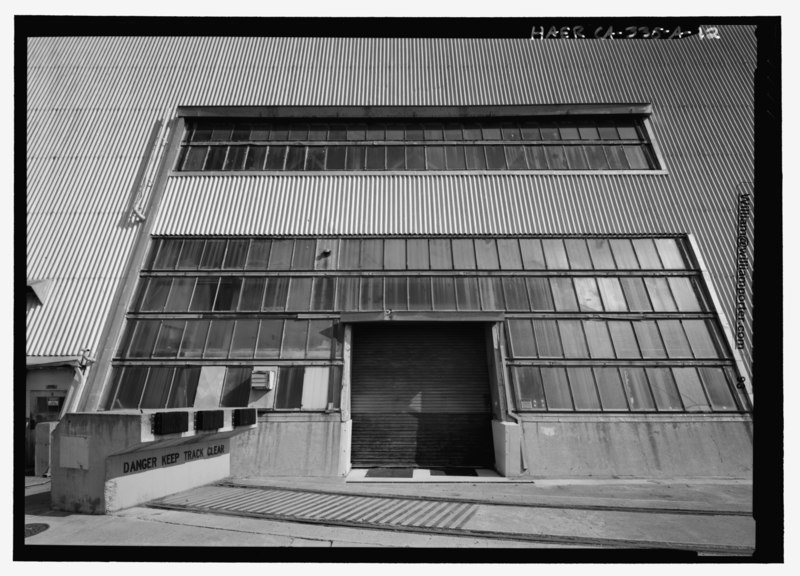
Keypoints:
(569, 388)
(686, 336)
(560, 339)
(594, 379)
(636, 338)
(608, 161)
(285, 156)
(428, 272)
(599, 362)
(646, 290)
(246, 255)
(205, 158)
(205, 340)
(684, 249)
(178, 257)
(119, 385)
(280, 347)
(650, 387)
(544, 391)
(171, 384)
(335, 292)
(225, 160)
(572, 285)
(659, 336)
(243, 362)
(308, 339)
(180, 344)
(704, 389)
(235, 306)
(624, 392)
(677, 390)
(233, 335)
(613, 259)
(147, 380)
(247, 152)
(157, 245)
(206, 246)
(233, 315)
(180, 341)
(164, 305)
(658, 256)
(216, 295)
(689, 341)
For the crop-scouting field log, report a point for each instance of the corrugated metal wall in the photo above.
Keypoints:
(92, 103)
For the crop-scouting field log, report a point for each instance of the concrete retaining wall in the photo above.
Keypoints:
(106, 461)
(289, 445)
(648, 446)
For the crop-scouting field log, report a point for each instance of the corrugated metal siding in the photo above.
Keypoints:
(93, 101)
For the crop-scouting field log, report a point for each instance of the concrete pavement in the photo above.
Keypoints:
(711, 515)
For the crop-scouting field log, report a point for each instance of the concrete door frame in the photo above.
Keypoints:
(498, 388)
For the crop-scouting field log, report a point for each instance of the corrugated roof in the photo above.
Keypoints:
(92, 103)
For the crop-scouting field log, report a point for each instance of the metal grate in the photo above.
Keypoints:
(209, 420)
(329, 508)
(244, 417)
(390, 473)
(170, 422)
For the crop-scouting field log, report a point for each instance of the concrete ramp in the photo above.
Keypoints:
(705, 532)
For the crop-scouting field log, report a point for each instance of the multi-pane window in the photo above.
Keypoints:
(591, 324)
(435, 254)
(536, 143)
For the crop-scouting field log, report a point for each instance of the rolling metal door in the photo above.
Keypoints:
(420, 396)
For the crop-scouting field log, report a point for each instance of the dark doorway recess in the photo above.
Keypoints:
(420, 396)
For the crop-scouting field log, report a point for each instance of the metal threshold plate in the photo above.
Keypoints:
(425, 475)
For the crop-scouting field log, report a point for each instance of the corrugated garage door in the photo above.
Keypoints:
(420, 396)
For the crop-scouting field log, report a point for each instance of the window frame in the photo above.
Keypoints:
(444, 116)
(488, 272)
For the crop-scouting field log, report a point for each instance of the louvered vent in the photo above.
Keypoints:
(170, 422)
(209, 420)
(263, 377)
(244, 417)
